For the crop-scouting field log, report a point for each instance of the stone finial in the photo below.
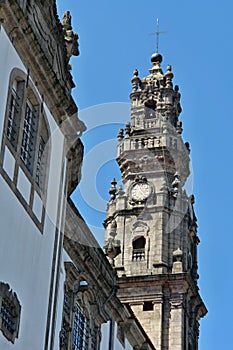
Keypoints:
(176, 184)
(187, 146)
(113, 190)
(156, 60)
(120, 135)
(164, 187)
(66, 20)
(71, 39)
(177, 264)
(179, 127)
(192, 199)
(178, 254)
(113, 230)
(168, 76)
(127, 128)
(135, 80)
(112, 246)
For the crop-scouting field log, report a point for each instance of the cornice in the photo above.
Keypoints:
(52, 79)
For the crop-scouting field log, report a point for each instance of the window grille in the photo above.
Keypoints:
(12, 127)
(7, 316)
(40, 166)
(9, 312)
(28, 137)
(80, 332)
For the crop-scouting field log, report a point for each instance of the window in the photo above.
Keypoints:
(11, 132)
(27, 152)
(139, 248)
(148, 306)
(42, 155)
(27, 133)
(9, 312)
(81, 329)
(26, 145)
(14, 109)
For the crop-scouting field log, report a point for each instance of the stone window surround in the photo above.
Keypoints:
(6, 294)
(80, 294)
(19, 75)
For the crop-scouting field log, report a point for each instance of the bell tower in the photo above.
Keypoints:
(151, 228)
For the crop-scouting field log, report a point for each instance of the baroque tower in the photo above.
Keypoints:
(151, 228)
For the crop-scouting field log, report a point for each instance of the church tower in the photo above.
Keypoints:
(151, 228)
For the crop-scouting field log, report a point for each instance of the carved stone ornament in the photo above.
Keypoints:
(140, 228)
(71, 38)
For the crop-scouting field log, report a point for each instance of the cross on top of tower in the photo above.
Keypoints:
(157, 33)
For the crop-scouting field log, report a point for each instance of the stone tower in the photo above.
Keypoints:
(151, 230)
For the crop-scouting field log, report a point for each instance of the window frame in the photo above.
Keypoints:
(78, 295)
(28, 96)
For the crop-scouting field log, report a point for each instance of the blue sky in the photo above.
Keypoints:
(114, 40)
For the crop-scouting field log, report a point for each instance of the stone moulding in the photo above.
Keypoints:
(46, 55)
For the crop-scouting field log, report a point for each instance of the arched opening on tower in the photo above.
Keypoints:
(150, 106)
(139, 248)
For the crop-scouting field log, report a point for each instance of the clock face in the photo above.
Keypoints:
(140, 191)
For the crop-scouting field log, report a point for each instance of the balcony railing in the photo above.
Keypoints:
(138, 254)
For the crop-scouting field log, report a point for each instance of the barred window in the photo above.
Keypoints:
(28, 137)
(11, 132)
(14, 107)
(40, 165)
(80, 331)
(25, 150)
(26, 129)
(9, 312)
(42, 154)
(80, 326)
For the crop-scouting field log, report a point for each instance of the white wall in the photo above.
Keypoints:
(25, 253)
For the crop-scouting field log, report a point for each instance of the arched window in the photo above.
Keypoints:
(80, 329)
(139, 248)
